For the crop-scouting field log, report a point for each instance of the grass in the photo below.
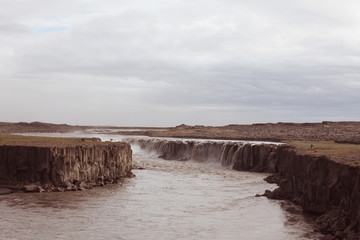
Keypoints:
(19, 140)
(209, 132)
(339, 152)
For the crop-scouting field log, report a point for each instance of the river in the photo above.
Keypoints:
(166, 200)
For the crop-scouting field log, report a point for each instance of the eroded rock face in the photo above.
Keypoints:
(237, 155)
(323, 187)
(258, 158)
(320, 185)
(60, 166)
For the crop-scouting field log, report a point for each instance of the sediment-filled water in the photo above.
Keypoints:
(166, 200)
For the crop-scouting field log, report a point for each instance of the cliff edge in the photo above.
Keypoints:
(60, 164)
(323, 186)
(323, 177)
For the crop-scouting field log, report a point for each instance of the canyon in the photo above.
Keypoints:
(324, 187)
(317, 167)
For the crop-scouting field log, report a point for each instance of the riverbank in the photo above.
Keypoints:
(326, 186)
(322, 185)
(36, 164)
(317, 169)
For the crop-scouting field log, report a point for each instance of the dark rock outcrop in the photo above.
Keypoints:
(321, 186)
(64, 167)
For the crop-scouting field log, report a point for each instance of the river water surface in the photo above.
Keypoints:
(166, 200)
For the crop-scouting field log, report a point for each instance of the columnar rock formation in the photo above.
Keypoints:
(236, 155)
(321, 186)
(318, 184)
(64, 167)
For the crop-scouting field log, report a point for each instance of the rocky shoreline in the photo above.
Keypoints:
(323, 187)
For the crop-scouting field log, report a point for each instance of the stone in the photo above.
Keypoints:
(41, 189)
(4, 191)
(350, 228)
(83, 185)
(61, 166)
(67, 184)
(32, 188)
(340, 235)
(276, 194)
(328, 237)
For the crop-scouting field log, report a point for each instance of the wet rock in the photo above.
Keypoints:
(340, 235)
(83, 185)
(276, 194)
(130, 175)
(324, 228)
(273, 178)
(59, 189)
(48, 187)
(4, 191)
(33, 188)
(109, 182)
(67, 185)
(350, 228)
(351, 235)
(328, 237)
(137, 167)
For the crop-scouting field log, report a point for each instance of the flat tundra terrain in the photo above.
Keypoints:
(340, 141)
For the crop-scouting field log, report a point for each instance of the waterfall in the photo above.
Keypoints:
(236, 155)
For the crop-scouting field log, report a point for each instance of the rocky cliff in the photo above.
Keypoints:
(320, 185)
(64, 167)
(236, 155)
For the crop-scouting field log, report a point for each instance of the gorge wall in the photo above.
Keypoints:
(321, 186)
(236, 155)
(318, 184)
(64, 167)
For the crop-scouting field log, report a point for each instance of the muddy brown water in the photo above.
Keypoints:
(166, 200)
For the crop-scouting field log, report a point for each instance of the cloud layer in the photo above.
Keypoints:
(162, 63)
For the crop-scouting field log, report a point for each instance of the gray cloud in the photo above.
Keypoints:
(165, 63)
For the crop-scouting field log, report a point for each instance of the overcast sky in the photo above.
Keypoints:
(167, 62)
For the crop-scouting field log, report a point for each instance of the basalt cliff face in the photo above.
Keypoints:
(64, 167)
(318, 184)
(236, 155)
(323, 187)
